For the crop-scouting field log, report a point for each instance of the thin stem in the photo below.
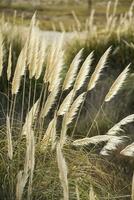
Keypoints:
(94, 121)
(35, 87)
(8, 94)
(44, 98)
(22, 115)
(23, 99)
(58, 105)
(78, 116)
(41, 120)
(11, 106)
(13, 111)
(43, 87)
(29, 97)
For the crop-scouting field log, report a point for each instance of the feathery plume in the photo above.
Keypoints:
(50, 61)
(9, 138)
(117, 84)
(93, 140)
(41, 58)
(30, 118)
(21, 182)
(100, 66)
(50, 134)
(62, 172)
(31, 44)
(9, 63)
(33, 64)
(55, 74)
(65, 104)
(82, 75)
(19, 71)
(68, 117)
(31, 40)
(54, 63)
(117, 127)
(50, 101)
(71, 74)
(112, 144)
(128, 151)
(74, 107)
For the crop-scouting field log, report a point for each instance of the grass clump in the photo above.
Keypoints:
(84, 169)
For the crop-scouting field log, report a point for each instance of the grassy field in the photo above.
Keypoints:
(55, 15)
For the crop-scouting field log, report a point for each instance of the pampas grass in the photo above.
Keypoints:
(112, 145)
(128, 151)
(92, 140)
(117, 127)
(117, 84)
(41, 58)
(71, 74)
(68, 109)
(69, 116)
(31, 115)
(50, 101)
(84, 71)
(9, 63)
(100, 66)
(51, 110)
(64, 107)
(19, 71)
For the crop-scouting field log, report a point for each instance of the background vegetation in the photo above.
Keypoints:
(36, 150)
